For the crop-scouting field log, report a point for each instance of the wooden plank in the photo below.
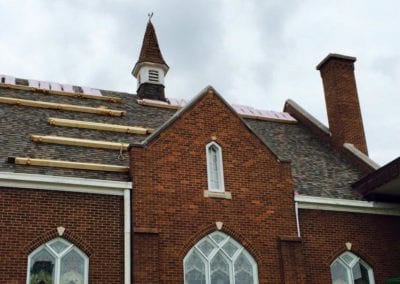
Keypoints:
(67, 164)
(80, 142)
(48, 105)
(67, 92)
(158, 104)
(99, 126)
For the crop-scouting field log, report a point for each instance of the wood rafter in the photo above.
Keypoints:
(99, 126)
(80, 142)
(57, 106)
(67, 164)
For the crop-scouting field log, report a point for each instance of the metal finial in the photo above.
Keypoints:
(150, 15)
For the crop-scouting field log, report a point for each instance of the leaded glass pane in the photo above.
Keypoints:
(356, 271)
(214, 171)
(339, 273)
(243, 270)
(42, 268)
(219, 270)
(72, 268)
(206, 247)
(195, 271)
(230, 248)
(59, 246)
(218, 237)
(348, 258)
(364, 275)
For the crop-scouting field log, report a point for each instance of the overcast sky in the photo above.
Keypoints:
(256, 53)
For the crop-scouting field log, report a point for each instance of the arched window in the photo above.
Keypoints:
(58, 262)
(215, 171)
(349, 268)
(217, 258)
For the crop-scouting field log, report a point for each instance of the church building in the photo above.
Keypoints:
(99, 186)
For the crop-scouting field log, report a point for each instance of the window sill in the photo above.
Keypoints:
(213, 194)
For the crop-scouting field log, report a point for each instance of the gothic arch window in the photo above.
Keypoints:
(349, 268)
(217, 258)
(215, 173)
(57, 262)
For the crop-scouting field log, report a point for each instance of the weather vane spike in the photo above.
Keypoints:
(150, 15)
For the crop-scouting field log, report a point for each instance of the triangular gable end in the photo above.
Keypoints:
(209, 90)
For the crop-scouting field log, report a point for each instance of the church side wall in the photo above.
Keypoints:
(94, 223)
(374, 238)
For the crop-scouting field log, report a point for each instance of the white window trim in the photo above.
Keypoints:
(220, 168)
(350, 266)
(58, 257)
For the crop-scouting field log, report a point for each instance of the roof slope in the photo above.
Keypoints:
(19, 122)
(318, 169)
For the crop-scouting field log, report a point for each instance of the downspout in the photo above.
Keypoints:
(296, 208)
(127, 236)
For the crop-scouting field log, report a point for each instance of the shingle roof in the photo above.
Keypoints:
(318, 169)
(150, 51)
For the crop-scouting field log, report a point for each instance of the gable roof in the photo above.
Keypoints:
(317, 168)
(191, 104)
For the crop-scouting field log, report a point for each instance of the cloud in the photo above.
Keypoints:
(257, 53)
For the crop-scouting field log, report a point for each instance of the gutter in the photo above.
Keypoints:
(346, 205)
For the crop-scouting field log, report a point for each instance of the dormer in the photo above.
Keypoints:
(150, 69)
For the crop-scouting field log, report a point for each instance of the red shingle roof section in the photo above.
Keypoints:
(150, 51)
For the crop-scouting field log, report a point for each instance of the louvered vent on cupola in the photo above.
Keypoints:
(154, 76)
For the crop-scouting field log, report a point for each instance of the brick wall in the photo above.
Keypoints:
(171, 213)
(342, 104)
(374, 238)
(29, 218)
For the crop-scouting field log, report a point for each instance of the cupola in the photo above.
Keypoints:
(150, 69)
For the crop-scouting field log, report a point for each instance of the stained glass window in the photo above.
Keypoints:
(349, 269)
(219, 259)
(58, 262)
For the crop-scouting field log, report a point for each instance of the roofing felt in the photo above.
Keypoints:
(318, 170)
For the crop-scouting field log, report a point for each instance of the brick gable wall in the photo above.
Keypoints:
(170, 212)
(29, 218)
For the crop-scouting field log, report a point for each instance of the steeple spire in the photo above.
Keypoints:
(151, 68)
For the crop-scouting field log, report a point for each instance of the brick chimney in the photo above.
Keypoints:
(343, 107)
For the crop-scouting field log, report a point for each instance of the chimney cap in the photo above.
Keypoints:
(335, 56)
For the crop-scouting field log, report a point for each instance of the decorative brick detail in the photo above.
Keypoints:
(227, 230)
(53, 234)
